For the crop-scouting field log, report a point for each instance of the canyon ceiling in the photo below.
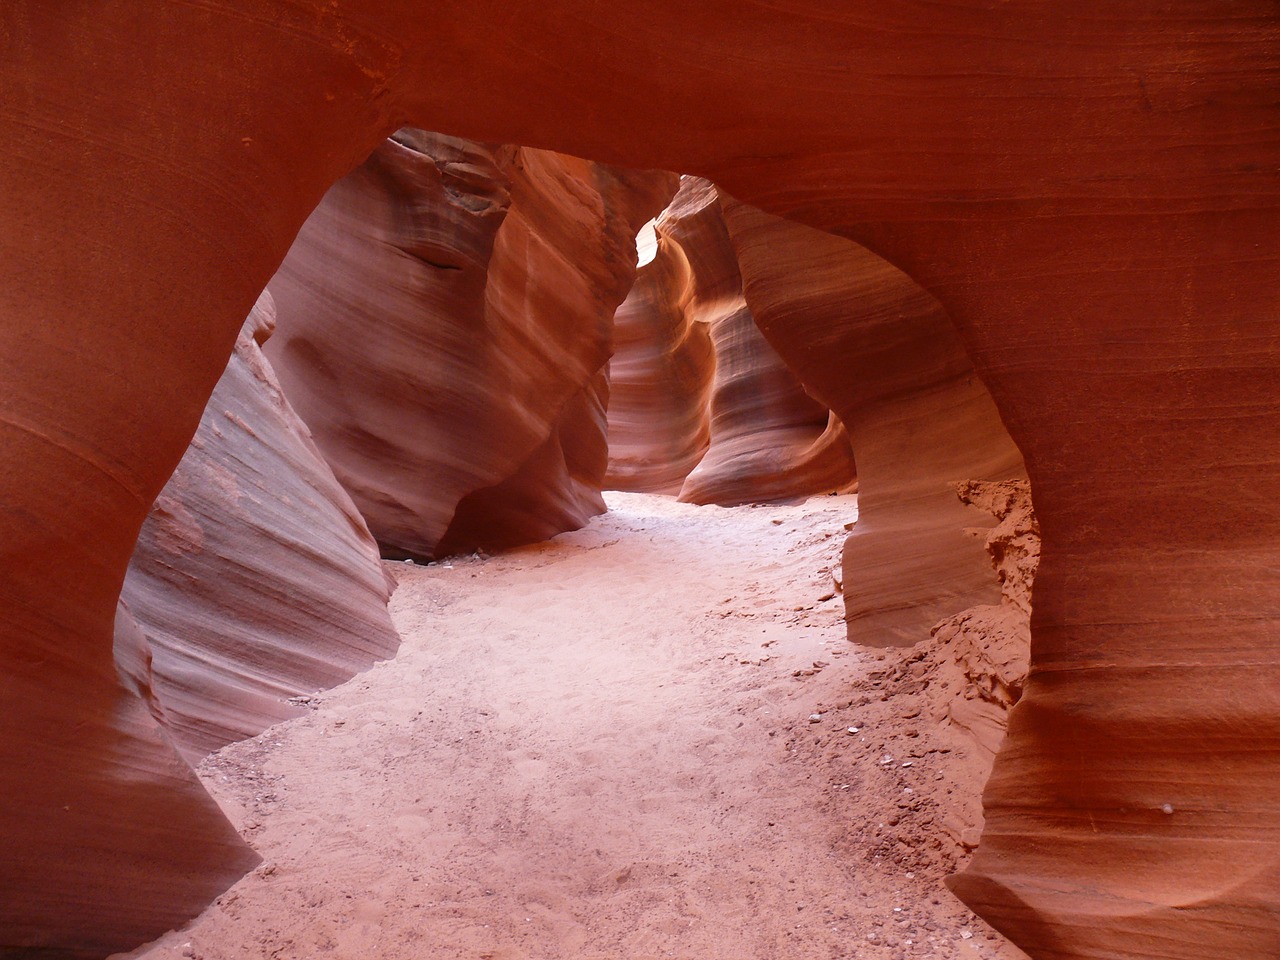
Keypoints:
(1089, 194)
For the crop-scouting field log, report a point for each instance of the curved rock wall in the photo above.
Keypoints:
(660, 379)
(769, 439)
(882, 352)
(554, 490)
(439, 312)
(254, 578)
(112, 271)
(765, 437)
(110, 838)
(1092, 199)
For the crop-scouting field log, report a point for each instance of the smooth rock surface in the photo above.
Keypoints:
(660, 379)
(554, 490)
(765, 438)
(440, 312)
(110, 838)
(254, 579)
(1092, 198)
(882, 352)
(769, 439)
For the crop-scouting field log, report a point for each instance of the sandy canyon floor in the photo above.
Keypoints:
(630, 742)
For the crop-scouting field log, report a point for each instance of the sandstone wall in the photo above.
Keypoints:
(883, 354)
(760, 435)
(660, 379)
(780, 299)
(254, 578)
(445, 311)
(1092, 200)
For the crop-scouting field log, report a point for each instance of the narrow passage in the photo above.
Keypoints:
(596, 748)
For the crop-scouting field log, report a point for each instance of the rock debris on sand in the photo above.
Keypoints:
(617, 744)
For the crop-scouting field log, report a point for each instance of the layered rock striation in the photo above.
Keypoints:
(1091, 199)
(444, 315)
(760, 436)
(892, 381)
(557, 488)
(254, 579)
(884, 355)
(660, 379)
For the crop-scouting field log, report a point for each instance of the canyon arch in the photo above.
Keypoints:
(1091, 196)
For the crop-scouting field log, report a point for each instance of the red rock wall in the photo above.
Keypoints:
(552, 491)
(660, 379)
(765, 437)
(976, 661)
(769, 439)
(110, 838)
(1092, 199)
(254, 578)
(882, 352)
(108, 353)
(439, 313)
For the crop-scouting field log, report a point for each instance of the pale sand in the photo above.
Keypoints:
(596, 747)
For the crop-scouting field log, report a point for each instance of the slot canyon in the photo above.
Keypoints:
(398, 565)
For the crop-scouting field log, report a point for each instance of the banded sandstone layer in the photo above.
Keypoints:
(445, 318)
(871, 345)
(660, 379)
(768, 438)
(760, 436)
(1091, 198)
(254, 579)
(882, 353)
